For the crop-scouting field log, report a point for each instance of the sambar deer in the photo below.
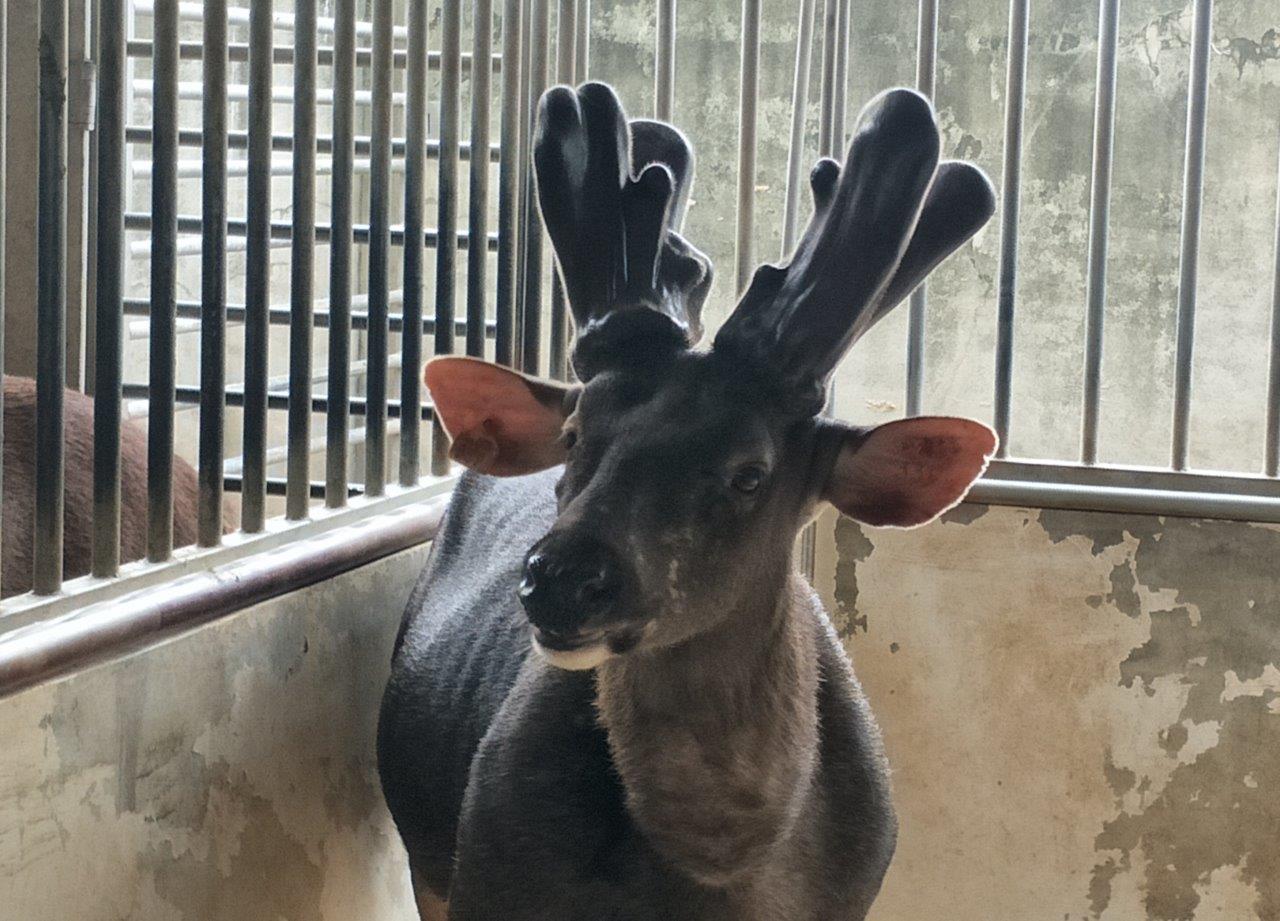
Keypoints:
(612, 695)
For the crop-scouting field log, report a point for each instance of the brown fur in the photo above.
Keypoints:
(19, 488)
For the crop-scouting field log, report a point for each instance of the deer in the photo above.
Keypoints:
(20, 461)
(612, 694)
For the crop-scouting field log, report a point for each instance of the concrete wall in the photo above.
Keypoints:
(226, 776)
(1082, 712)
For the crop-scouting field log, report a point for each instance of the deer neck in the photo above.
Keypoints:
(715, 739)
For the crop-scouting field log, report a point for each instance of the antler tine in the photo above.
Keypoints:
(616, 236)
(800, 319)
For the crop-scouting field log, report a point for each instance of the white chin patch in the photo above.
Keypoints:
(575, 660)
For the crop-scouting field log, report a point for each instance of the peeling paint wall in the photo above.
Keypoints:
(1082, 712)
(229, 775)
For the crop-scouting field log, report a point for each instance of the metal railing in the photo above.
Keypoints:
(503, 309)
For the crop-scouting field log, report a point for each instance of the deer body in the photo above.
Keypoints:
(753, 757)
(612, 697)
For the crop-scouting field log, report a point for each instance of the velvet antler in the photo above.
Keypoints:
(613, 196)
(880, 225)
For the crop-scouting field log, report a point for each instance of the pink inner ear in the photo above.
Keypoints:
(908, 472)
(498, 423)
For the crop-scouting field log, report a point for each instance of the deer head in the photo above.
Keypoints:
(689, 472)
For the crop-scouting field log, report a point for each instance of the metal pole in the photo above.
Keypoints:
(926, 70)
(257, 293)
(559, 334)
(1099, 217)
(478, 196)
(340, 243)
(1272, 463)
(748, 98)
(799, 109)
(412, 280)
(664, 66)
(508, 185)
(108, 289)
(51, 296)
(380, 249)
(302, 261)
(827, 109)
(4, 107)
(1192, 197)
(447, 208)
(1015, 93)
(840, 99)
(582, 43)
(531, 308)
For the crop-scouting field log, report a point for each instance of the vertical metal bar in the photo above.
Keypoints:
(566, 28)
(526, 173)
(799, 109)
(213, 273)
(1099, 217)
(302, 261)
(51, 303)
(1192, 198)
(826, 113)
(447, 208)
(257, 293)
(415, 165)
(840, 99)
(926, 69)
(582, 42)
(1271, 465)
(508, 184)
(531, 309)
(108, 288)
(478, 192)
(164, 249)
(748, 98)
(380, 249)
(1011, 181)
(339, 389)
(664, 63)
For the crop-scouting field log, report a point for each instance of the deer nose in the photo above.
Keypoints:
(566, 584)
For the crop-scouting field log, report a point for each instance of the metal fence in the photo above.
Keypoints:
(501, 309)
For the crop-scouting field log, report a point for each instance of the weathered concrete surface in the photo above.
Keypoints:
(1082, 712)
(227, 776)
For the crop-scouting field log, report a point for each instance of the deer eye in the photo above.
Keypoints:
(569, 438)
(748, 479)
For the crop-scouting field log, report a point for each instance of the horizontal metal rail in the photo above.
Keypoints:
(238, 53)
(283, 230)
(239, 16)
(283, 143)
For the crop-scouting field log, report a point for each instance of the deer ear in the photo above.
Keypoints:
(502, 423)
(906, 473)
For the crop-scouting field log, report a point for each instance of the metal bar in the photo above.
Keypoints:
(478, 193)
(380, 248)
(524, 142)
(240, 16)
(257, 269)
(926, 70)
(558, 336)
(281, 316)
(238, 52)
(108, 288)
(582, 43)
(412, 277)
(447, 208)
(664, 61)
(213, 275)
(1271, 464)
(748, 98)
(840, 100)
(93, 634)
(531, 307)
(302, 262)
(340, 247)
(164, 243)
(1192, 199)
(827, 107)
(1010, 186)
(279, 486)
(51, 296)
(1104, 118)
(283, 143)
(508, 188)
(799, 111)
